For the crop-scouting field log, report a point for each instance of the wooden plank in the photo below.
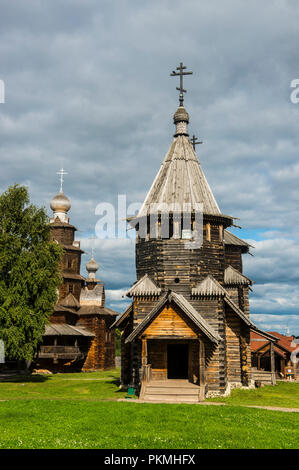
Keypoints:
(169, 323)
(202, 370)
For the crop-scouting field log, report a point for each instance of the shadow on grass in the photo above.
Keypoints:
(116, 382)
(22, 378)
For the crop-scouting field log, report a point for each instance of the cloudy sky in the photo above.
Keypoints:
(87, 85)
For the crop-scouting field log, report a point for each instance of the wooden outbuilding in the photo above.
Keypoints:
(280, 358)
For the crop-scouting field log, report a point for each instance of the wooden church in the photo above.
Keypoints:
(78, 336)
(186, 334)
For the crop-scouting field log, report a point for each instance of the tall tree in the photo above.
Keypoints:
(29, 273)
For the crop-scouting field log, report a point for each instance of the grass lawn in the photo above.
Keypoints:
(82, 386)
(284, 395)
(80, 411)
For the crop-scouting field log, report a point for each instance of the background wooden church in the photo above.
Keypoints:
(79, 335)
(186, 334)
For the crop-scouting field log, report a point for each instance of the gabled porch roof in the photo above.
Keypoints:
(186, 307)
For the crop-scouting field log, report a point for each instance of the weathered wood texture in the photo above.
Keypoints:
(233, 257)
(101, 354)
(233, 351)
(173, 266)
(170, 323)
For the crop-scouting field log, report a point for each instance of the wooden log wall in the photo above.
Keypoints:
(245, 297)
(126, 354)
(76, 284)
(173, 266)
(64, 235)
(233, 292)
(213, 311)
(142, 306)
(233, 257)
(233, 352)
(101, 354)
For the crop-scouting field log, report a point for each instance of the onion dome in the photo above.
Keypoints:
(92, 267)
(180, 115)
(181, 119)
(60, 203)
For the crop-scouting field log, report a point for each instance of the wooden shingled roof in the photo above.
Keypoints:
(231, 239)
(70, 301)
(186, 307)
(64, 329)
(96, 310)
(144, 287)
(181, 180)
(233, 277)
(209, 287)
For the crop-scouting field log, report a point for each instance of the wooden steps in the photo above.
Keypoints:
(178, 391)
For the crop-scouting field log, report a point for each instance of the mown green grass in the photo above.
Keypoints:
(77, 424)
(284, 395)
(81, 410)
(81, 386)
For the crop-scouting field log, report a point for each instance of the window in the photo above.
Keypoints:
(70, 288)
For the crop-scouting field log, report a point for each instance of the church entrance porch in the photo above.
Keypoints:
(177, 361)
(172, 359)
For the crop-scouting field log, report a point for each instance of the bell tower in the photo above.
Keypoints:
(180, 228)
(64, 234)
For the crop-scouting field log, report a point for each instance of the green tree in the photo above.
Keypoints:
(29, 273)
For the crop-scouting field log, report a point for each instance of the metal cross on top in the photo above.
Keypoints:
(194, 142)
(61, 173)
(181, 73)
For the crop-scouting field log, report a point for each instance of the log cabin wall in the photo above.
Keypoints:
(173, 266)
(101, 354)
(233, 351)
(63, 234)
(126, 353)
(64, 317)
(142, 306)
(245, 355)
(234, 294)
(233, 257)
(213, 311)
(245, 296)
(70, 285)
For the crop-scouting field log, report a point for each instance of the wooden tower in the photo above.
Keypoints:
(187, 330)
(79, 335)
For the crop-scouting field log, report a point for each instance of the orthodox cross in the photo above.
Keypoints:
(181, 73)
(194, 142)
(61, 173)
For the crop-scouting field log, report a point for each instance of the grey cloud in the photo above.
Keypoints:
(88, 83)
